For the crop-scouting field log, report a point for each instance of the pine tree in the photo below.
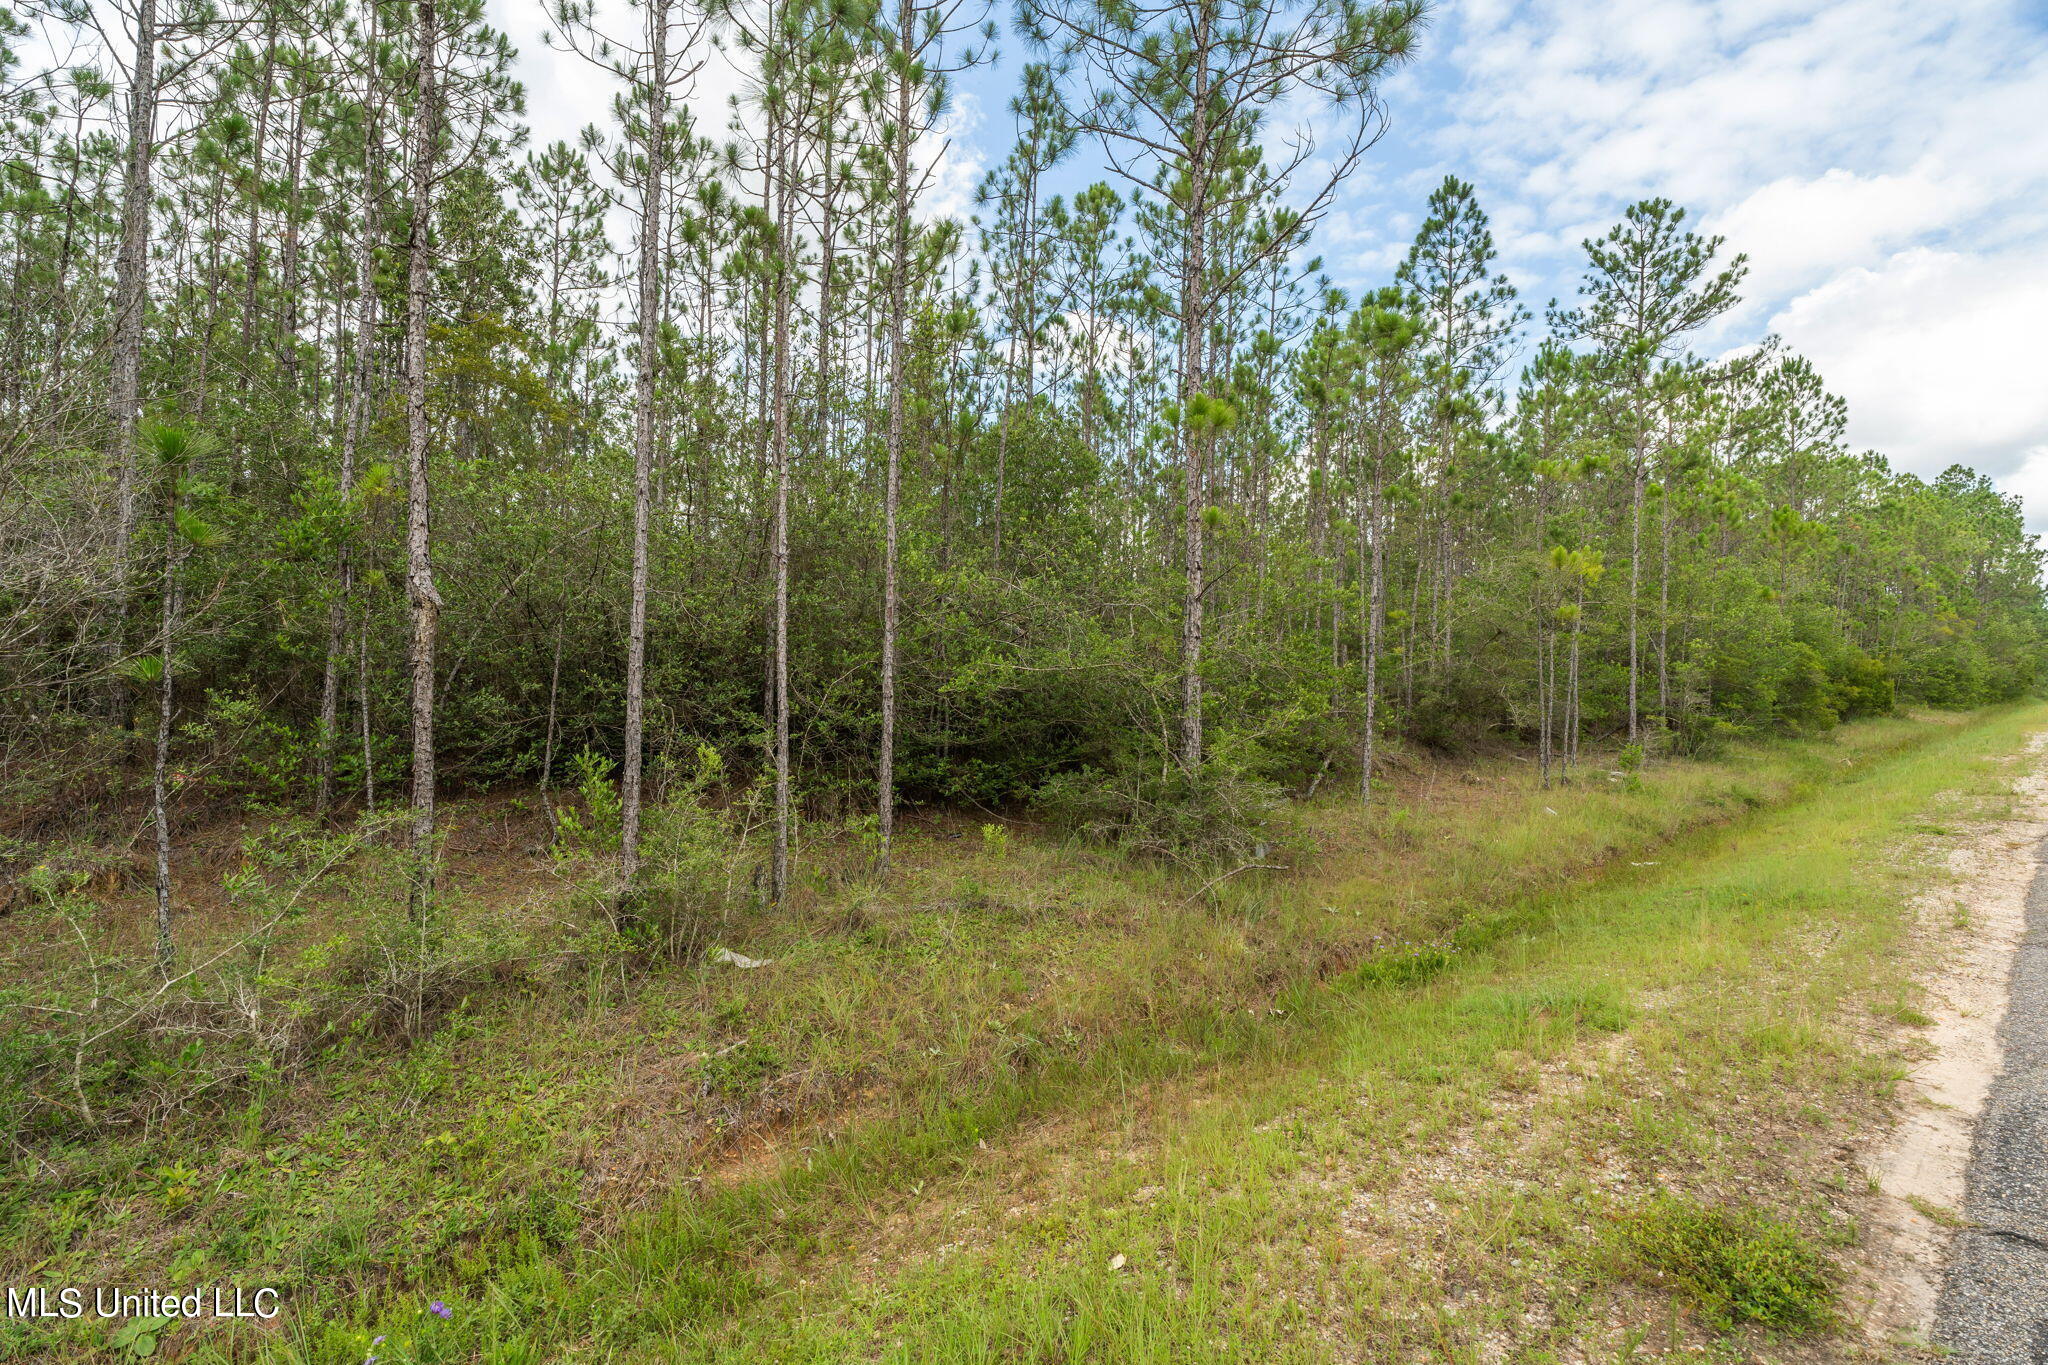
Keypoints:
(656, 74)
(1176, 92)
(1647, 284)
(1471, 317)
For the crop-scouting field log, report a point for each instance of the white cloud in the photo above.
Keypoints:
(2030, 483)
(1883, 163)
(1586, 104)
(1798, 231)
(1939, 354)
(566, 92)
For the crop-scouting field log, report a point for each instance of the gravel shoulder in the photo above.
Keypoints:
(1963, 1180)
(1993, 1308)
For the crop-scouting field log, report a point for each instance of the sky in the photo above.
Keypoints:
(1883, 163)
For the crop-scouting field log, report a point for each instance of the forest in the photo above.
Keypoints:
(350, 459)
(710, 500)
(355, 451)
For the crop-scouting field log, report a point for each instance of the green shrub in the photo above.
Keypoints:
(1953, 673)
(595, 828)
(105, 1040)
(1805, 693)
(1700, 734)
(242, 749)
(696, 860)
(1863, 686)
(1218, 814)
(1737, 1265)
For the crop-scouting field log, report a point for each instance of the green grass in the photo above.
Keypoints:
(1737, 1265)
(1736, 1081)
(1375, 1110)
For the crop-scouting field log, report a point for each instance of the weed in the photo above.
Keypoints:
(739, 1069)
(1737, 1265)
(137, 1338)
(1217, 815)
(1597, 1006)
(1940, 1214)
(174, 1186)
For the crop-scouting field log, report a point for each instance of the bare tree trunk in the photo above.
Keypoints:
(419, 578)
(1414, 608)
(1546, 654)
(1635, 578)
(159, 787)
(1194, 465)
(899, 265)
(780, 548)
(1571, 760)
(363, 707)
(288, 254)
(828, 233)
(131, 300)
(1664, 608)
(351, 439)
(1375, 613)
(1003, 459)
(252, 257)
(547, 753)
(649, 286)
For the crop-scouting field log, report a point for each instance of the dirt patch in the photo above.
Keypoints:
(1972, 924)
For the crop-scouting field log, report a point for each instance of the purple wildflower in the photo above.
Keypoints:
(441, 1310)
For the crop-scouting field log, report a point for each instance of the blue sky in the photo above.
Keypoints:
(1884, 163)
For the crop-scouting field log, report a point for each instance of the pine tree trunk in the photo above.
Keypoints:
(159, 787)
(363, 718)
(649, 285)
(1193, 312)
(1572, 723)
(1664, 609)
(131, 302)
(1635, 578)
(288, 253)
(352, 424)
(1375, 615)
(252, 258)
(899, 266)
(425, 600)
(828, 230)
(780, 548)
(547, 752)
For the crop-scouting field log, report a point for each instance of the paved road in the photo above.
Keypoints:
(1994, 1304)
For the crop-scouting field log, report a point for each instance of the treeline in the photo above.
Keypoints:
(351, 450)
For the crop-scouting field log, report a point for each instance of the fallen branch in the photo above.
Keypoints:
(1217, 881)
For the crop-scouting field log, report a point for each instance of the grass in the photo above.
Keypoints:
(1737, 1265)
(1032, 1105)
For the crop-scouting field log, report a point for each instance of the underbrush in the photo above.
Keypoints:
(315, 948)
(550, 1123)
(1736, 1265)
(1151, 806)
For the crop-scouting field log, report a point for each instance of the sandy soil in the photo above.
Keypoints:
(1974, 922)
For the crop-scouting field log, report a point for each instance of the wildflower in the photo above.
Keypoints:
(441, 1310)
